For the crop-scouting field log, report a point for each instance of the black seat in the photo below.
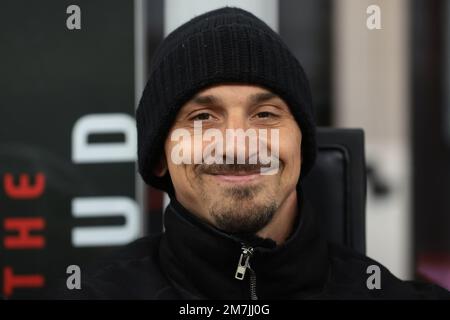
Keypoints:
(336, 186)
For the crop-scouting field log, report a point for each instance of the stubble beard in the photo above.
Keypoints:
(242, 209)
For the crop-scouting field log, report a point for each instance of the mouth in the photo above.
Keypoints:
(237, 177)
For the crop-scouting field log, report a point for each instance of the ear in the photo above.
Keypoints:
(160, 168)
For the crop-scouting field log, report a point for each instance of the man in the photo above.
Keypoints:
(234, 229)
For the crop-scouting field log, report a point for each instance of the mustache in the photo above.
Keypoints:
(216, 169)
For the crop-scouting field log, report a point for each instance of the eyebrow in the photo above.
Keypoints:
(260, 97)
(208, 100)
(211, 100)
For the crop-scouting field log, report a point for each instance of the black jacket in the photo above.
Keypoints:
(192, 260)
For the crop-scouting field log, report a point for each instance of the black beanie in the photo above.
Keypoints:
(227, 45)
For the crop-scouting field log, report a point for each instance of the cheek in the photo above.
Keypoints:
(290, 150)
(181, 173)
(176, 170)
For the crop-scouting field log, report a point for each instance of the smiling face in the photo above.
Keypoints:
(235, 198)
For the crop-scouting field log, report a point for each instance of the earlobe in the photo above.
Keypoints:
(160, 168)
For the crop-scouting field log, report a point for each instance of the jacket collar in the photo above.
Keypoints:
(201, 261)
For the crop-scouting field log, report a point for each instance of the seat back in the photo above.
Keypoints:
(336, 186)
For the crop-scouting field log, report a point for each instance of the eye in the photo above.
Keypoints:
(201, 116)
(264, 114)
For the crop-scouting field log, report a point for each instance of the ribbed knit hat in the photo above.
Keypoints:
(227, 45)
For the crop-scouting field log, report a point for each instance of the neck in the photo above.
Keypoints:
(282, 224)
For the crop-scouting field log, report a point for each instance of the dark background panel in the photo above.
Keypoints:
(305, 26)
(51, 77)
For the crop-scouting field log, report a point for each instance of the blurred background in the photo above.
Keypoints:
(72, 75)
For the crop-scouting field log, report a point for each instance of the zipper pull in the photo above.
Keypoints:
(243, 264)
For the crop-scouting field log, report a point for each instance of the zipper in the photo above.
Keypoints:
(243, 266)
(253, 295)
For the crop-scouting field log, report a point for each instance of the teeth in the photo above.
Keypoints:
(239, 173)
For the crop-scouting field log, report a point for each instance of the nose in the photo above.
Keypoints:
(236, 119)
(240, 139)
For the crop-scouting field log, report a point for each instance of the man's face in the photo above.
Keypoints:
(234, 197)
